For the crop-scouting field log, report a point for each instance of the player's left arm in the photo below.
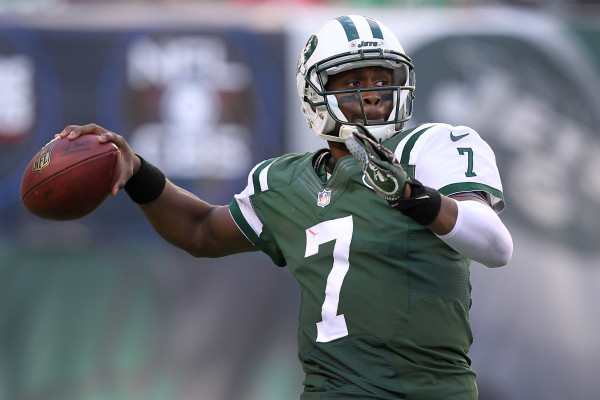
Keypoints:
(472, 228)
(467, 224)
(456, 161)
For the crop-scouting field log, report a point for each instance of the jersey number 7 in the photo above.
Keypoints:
(332, 326)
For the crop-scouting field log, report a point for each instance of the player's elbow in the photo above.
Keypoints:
(495, 247)
(480, 235)
(193, 243)
(196, 252)
(203, 253)
(501, 250)
(202, 248)
(210, 246)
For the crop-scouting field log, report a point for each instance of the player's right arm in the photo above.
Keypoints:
(201, 229)
(180, 217)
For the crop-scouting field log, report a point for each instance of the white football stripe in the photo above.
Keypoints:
(243, 200)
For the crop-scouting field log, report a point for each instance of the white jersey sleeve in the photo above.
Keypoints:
(241, 208)
(452, 160)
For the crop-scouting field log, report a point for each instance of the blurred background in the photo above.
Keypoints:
(102, 308)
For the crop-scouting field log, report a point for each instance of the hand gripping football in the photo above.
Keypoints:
(68, 179)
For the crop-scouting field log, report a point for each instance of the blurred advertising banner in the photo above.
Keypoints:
(204, 105)
(95, 308)
(30, 102)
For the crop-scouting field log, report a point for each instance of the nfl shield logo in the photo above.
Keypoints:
(42, 160)
(324, 198)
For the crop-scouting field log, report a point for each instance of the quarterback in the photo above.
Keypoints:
(379, 228)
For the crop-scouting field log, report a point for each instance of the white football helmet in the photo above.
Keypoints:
(345, 43)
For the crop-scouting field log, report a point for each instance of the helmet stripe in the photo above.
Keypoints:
(375, 29)
(349, 27)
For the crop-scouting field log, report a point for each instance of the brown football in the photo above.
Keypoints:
(68, 179)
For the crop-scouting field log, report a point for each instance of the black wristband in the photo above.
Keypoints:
(423, 205)
(146, 184)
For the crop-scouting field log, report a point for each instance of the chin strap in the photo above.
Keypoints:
(346, 131)
(379, 133)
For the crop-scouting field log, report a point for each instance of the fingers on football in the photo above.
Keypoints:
(74, 131)
(115, 189)
(67, 131)
(121, 179)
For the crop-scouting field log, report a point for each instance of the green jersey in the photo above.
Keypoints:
(384, 310)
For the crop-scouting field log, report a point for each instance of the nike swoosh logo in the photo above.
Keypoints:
(457, 138)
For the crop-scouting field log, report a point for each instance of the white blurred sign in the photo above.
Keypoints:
(189, 77)
(17, 96)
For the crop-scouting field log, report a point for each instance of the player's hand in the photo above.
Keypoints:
(129, 163)
(380, 166)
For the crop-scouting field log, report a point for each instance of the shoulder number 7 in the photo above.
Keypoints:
(332, 326)
(469, 152)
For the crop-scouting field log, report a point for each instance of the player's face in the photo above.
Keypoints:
(377, 104)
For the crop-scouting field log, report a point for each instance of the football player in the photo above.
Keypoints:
(378, 228)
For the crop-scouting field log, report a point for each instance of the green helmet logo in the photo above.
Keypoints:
(310, 47)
